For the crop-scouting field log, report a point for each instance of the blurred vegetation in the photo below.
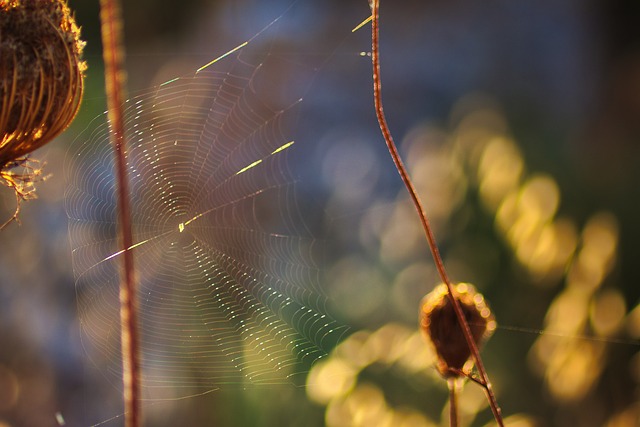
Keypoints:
(533, 192)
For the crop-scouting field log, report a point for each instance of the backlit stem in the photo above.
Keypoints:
(453, 402)
(115, 88)
(386, 133)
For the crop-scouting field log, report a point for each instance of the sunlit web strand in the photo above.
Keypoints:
(228, 292)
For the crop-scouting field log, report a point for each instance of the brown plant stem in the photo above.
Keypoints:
(453, 402)
(115, 87)
(386, 133)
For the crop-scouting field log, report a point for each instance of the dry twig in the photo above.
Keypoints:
(113, 55)
(452, 294)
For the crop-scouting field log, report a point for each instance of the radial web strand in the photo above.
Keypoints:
(227, 287)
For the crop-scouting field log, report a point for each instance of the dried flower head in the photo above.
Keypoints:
(41, 84)
(440, 326)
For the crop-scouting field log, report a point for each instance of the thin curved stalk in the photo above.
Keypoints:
(386, 133)
(115, 87)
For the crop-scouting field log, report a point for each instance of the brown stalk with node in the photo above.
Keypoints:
(454, 318)
(115, 78)
(41, 86)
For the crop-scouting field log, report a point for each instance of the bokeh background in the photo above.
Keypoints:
(519, 122)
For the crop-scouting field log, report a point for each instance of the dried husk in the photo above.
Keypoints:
(440, 327)
(41, 84)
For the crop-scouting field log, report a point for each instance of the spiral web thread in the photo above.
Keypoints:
(228, 290)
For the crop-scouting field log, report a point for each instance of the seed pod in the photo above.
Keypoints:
(440, 326)
(41, 82)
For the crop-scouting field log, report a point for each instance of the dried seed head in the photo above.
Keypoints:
(440, 326)
(41, 82)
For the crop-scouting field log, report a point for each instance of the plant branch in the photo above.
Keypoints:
(453, 402)
(386, 133)
(115, 88)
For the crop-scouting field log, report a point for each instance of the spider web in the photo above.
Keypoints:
(228, 292)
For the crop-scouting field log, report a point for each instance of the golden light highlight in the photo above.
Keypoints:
(574, 369)
(526, 216)
(366, 406)
(520, 421)
(329, 380)
(540, 196)
(416, 357)
(525, 209)
(595, 258)
(386, 345)
(354, 350)
(551, 249)
(406, 417)
(554, 250)
(471, 401)
(625, 418)
(568, 312)
(335, 383)
(499, 171)
(606, 312)
(571, 367)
